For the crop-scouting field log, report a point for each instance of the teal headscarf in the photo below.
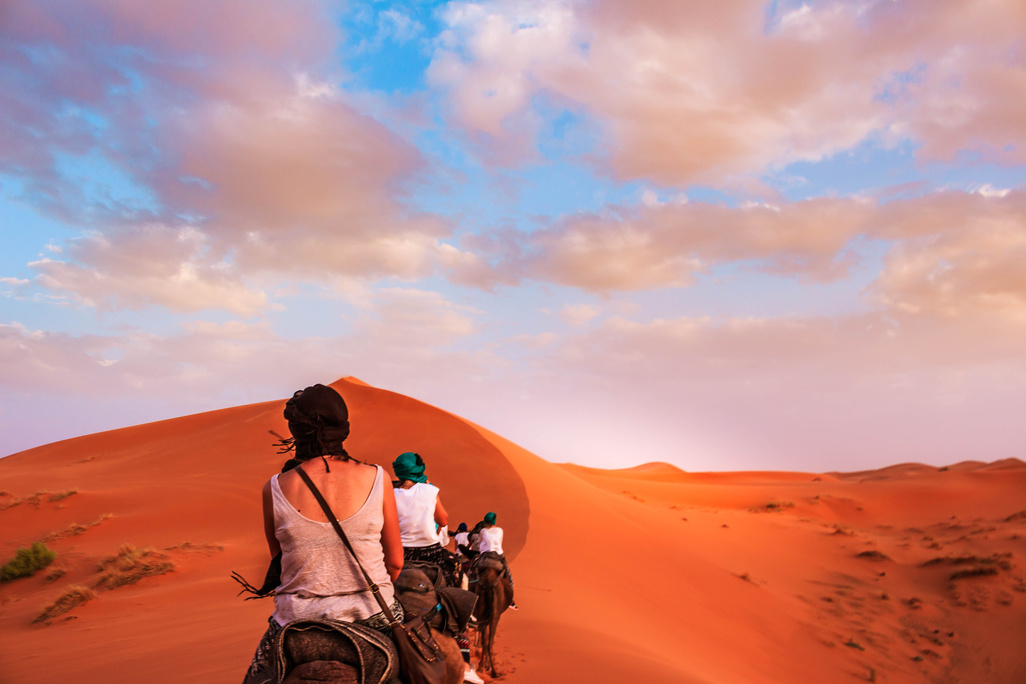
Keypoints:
(490, 518)
(409, 466)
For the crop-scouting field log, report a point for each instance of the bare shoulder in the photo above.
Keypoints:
(367, 470)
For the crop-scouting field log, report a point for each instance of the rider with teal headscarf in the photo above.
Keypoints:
(422, 517)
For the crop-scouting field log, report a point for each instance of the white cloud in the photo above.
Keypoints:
(988, 190)
(398, 26)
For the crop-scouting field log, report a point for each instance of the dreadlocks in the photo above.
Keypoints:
(319, 422)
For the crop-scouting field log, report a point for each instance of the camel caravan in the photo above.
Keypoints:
(365, 588)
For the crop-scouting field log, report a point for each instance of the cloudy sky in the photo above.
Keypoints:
(727, 235)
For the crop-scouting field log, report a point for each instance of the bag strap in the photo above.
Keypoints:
(345, 540)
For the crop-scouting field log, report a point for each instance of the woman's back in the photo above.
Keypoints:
(345, 487)
(319, 576)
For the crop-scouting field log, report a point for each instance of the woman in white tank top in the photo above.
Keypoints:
(319, 577)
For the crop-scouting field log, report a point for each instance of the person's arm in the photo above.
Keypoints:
(272, 541)
(441, 517)
(391, 541)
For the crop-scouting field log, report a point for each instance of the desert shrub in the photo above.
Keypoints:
(74, 595)
(62, 495)
(27, 562)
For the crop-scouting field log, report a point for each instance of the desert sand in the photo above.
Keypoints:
(650, 574)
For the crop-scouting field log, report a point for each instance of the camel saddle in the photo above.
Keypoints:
(333, 652)
(422, 591)
(489, 559)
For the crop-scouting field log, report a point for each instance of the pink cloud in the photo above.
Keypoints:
(667, 245)
(949, 252)
(229, 116)
(700, 93)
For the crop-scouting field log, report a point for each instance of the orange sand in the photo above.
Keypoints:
(648, 574)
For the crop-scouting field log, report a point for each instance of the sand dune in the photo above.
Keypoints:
(906, 574)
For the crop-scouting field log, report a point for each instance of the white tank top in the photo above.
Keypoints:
(416, 507)
(490, 539)
(319, 578)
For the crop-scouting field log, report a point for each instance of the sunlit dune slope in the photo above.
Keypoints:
(646, 574)
(197, 479)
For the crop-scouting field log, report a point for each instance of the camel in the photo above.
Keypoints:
(495, 594)
(453, 659)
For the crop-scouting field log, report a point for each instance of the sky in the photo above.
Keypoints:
(739, 235)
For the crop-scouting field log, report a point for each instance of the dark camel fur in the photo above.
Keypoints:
(495, 594)
(454, 667)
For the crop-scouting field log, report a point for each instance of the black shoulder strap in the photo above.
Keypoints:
(345, 540)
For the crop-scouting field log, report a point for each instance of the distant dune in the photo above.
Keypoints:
(651, 574)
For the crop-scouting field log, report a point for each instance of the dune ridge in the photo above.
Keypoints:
(649, 573)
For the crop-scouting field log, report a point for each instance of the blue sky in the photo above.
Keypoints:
(762, 235)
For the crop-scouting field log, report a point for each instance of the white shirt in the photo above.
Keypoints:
(416, 508)
(490, 539)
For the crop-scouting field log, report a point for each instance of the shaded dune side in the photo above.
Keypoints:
(474, 476)
(197, 479)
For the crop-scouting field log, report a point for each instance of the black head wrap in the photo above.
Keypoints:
(319, 422)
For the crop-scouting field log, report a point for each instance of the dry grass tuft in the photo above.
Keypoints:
(131, 565)
(772, 506)
(874, 555)
(61, 495)
(998, 561)
(54, 574)
(70, 531)
(982, 566)
(74, 595)
(974, 572)
(206, 548)
(74, 529)
(35, 500)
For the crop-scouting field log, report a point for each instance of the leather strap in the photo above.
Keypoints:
(345, 540)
